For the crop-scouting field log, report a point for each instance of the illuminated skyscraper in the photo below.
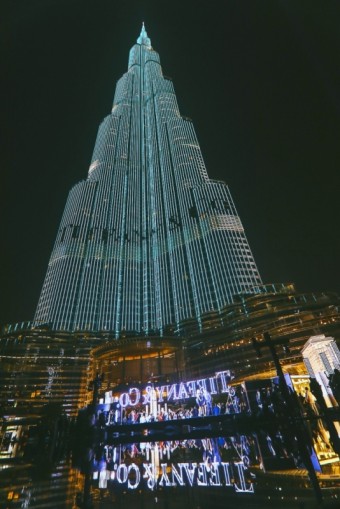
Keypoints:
(147, 241)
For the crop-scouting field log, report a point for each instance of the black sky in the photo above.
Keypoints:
(260, 79)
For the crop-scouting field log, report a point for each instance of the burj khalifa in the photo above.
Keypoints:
(147, 240)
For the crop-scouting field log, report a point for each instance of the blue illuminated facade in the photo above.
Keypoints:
(147, 241)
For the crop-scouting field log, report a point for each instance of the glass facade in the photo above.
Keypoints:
(147, 240)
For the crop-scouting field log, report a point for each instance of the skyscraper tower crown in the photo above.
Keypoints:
(147, 241)
(143, 38)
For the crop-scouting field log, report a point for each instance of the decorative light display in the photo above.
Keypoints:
(147, 240)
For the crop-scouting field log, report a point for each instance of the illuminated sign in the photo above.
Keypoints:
(154, 456)
(209, 462)
(180, 474)
(202, 389)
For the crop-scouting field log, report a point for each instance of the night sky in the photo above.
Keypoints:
(260, 80)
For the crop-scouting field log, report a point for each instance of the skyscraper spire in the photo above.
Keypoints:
(147, 241)
(143, 37)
